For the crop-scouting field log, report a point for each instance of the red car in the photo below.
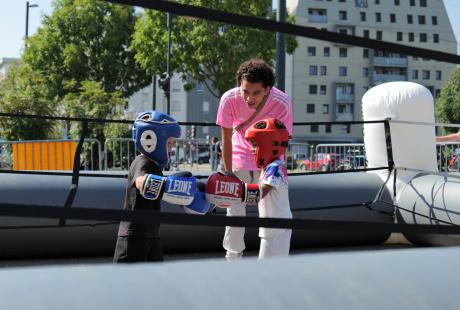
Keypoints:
(321, 162)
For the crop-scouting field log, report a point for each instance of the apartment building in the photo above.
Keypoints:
(5, 64)
(196, 105)
(327, 80)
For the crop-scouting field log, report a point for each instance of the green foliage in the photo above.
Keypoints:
(24, 91)
(86, 40)
(91, 101)
(448, 104)
(202, 50)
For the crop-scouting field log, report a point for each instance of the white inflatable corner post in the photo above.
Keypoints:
(414, 146)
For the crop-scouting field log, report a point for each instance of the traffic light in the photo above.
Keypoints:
(193, 132)
(164, 82)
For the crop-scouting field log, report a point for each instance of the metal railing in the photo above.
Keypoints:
(118, 153)
(192, 154)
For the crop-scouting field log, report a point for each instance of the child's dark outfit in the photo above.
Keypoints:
(139, 242)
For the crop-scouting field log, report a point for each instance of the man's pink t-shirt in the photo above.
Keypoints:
(233, 110)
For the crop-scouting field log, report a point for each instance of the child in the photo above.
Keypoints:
(153, 133)
(269, 138)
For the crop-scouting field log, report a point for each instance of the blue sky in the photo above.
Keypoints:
(13, 16)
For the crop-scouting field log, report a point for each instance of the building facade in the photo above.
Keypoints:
(196, 105)
(327, 80)
(5, 64)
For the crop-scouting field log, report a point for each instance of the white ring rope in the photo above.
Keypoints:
(426, 172)
(425, 124)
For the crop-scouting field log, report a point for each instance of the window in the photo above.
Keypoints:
(327, 52)
(342, 15)
(365, 53)
(378, 35)
(425, 74)
(365, 72)
(313, 89)
(325, 109)
(199, 88)
(434, 20)
(346, 128)
(366, 33)
(205, 106)
(377, 1)
(399, 36)
(438, 92)
(423, 3)
(397, 2)
(411, 37)
(412, 2)
(314, 128)
(323, 70)
(423, 37)
(378, 17)
(414, 74)
(310, 108)
(363, 16)
(392, 18)
(343, 52)
(436, 38)
(438, 75)
(361, 3)
(311, 51)
(313, 70)
(328, 128)
(421, 19)
(342, 71)
(410, 19)
(322, 90)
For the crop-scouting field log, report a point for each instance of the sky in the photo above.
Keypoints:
(13, 20)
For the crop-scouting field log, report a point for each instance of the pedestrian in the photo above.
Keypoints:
(253, 99)
(269, 138)
(214, 153)
(154, 133)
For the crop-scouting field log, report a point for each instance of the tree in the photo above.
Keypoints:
(86, 40)
(205, 51)
(448, 104)
(24, 91)
(92, 101)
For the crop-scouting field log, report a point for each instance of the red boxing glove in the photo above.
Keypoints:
(225, 190)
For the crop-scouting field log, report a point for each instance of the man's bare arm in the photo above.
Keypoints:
(227, 148)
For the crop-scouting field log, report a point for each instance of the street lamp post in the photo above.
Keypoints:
(28, 5)
(280, 47)
(168, 59)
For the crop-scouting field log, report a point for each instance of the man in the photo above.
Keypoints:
(214, 153)
(255, 98)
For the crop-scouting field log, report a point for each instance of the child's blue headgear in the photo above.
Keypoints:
(151, 132)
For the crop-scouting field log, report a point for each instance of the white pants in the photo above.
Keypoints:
(234, 236)
(277, 246)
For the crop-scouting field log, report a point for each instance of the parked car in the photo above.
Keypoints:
(321, 162)
(352, 162)
(453, 162)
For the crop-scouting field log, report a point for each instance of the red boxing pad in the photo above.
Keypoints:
(224, 190)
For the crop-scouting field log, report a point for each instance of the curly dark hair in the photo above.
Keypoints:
(255, 71)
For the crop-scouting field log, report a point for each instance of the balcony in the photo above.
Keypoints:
(314, 18)
(346, 117)
(340, 97)
(390, 62)
(383, 78)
